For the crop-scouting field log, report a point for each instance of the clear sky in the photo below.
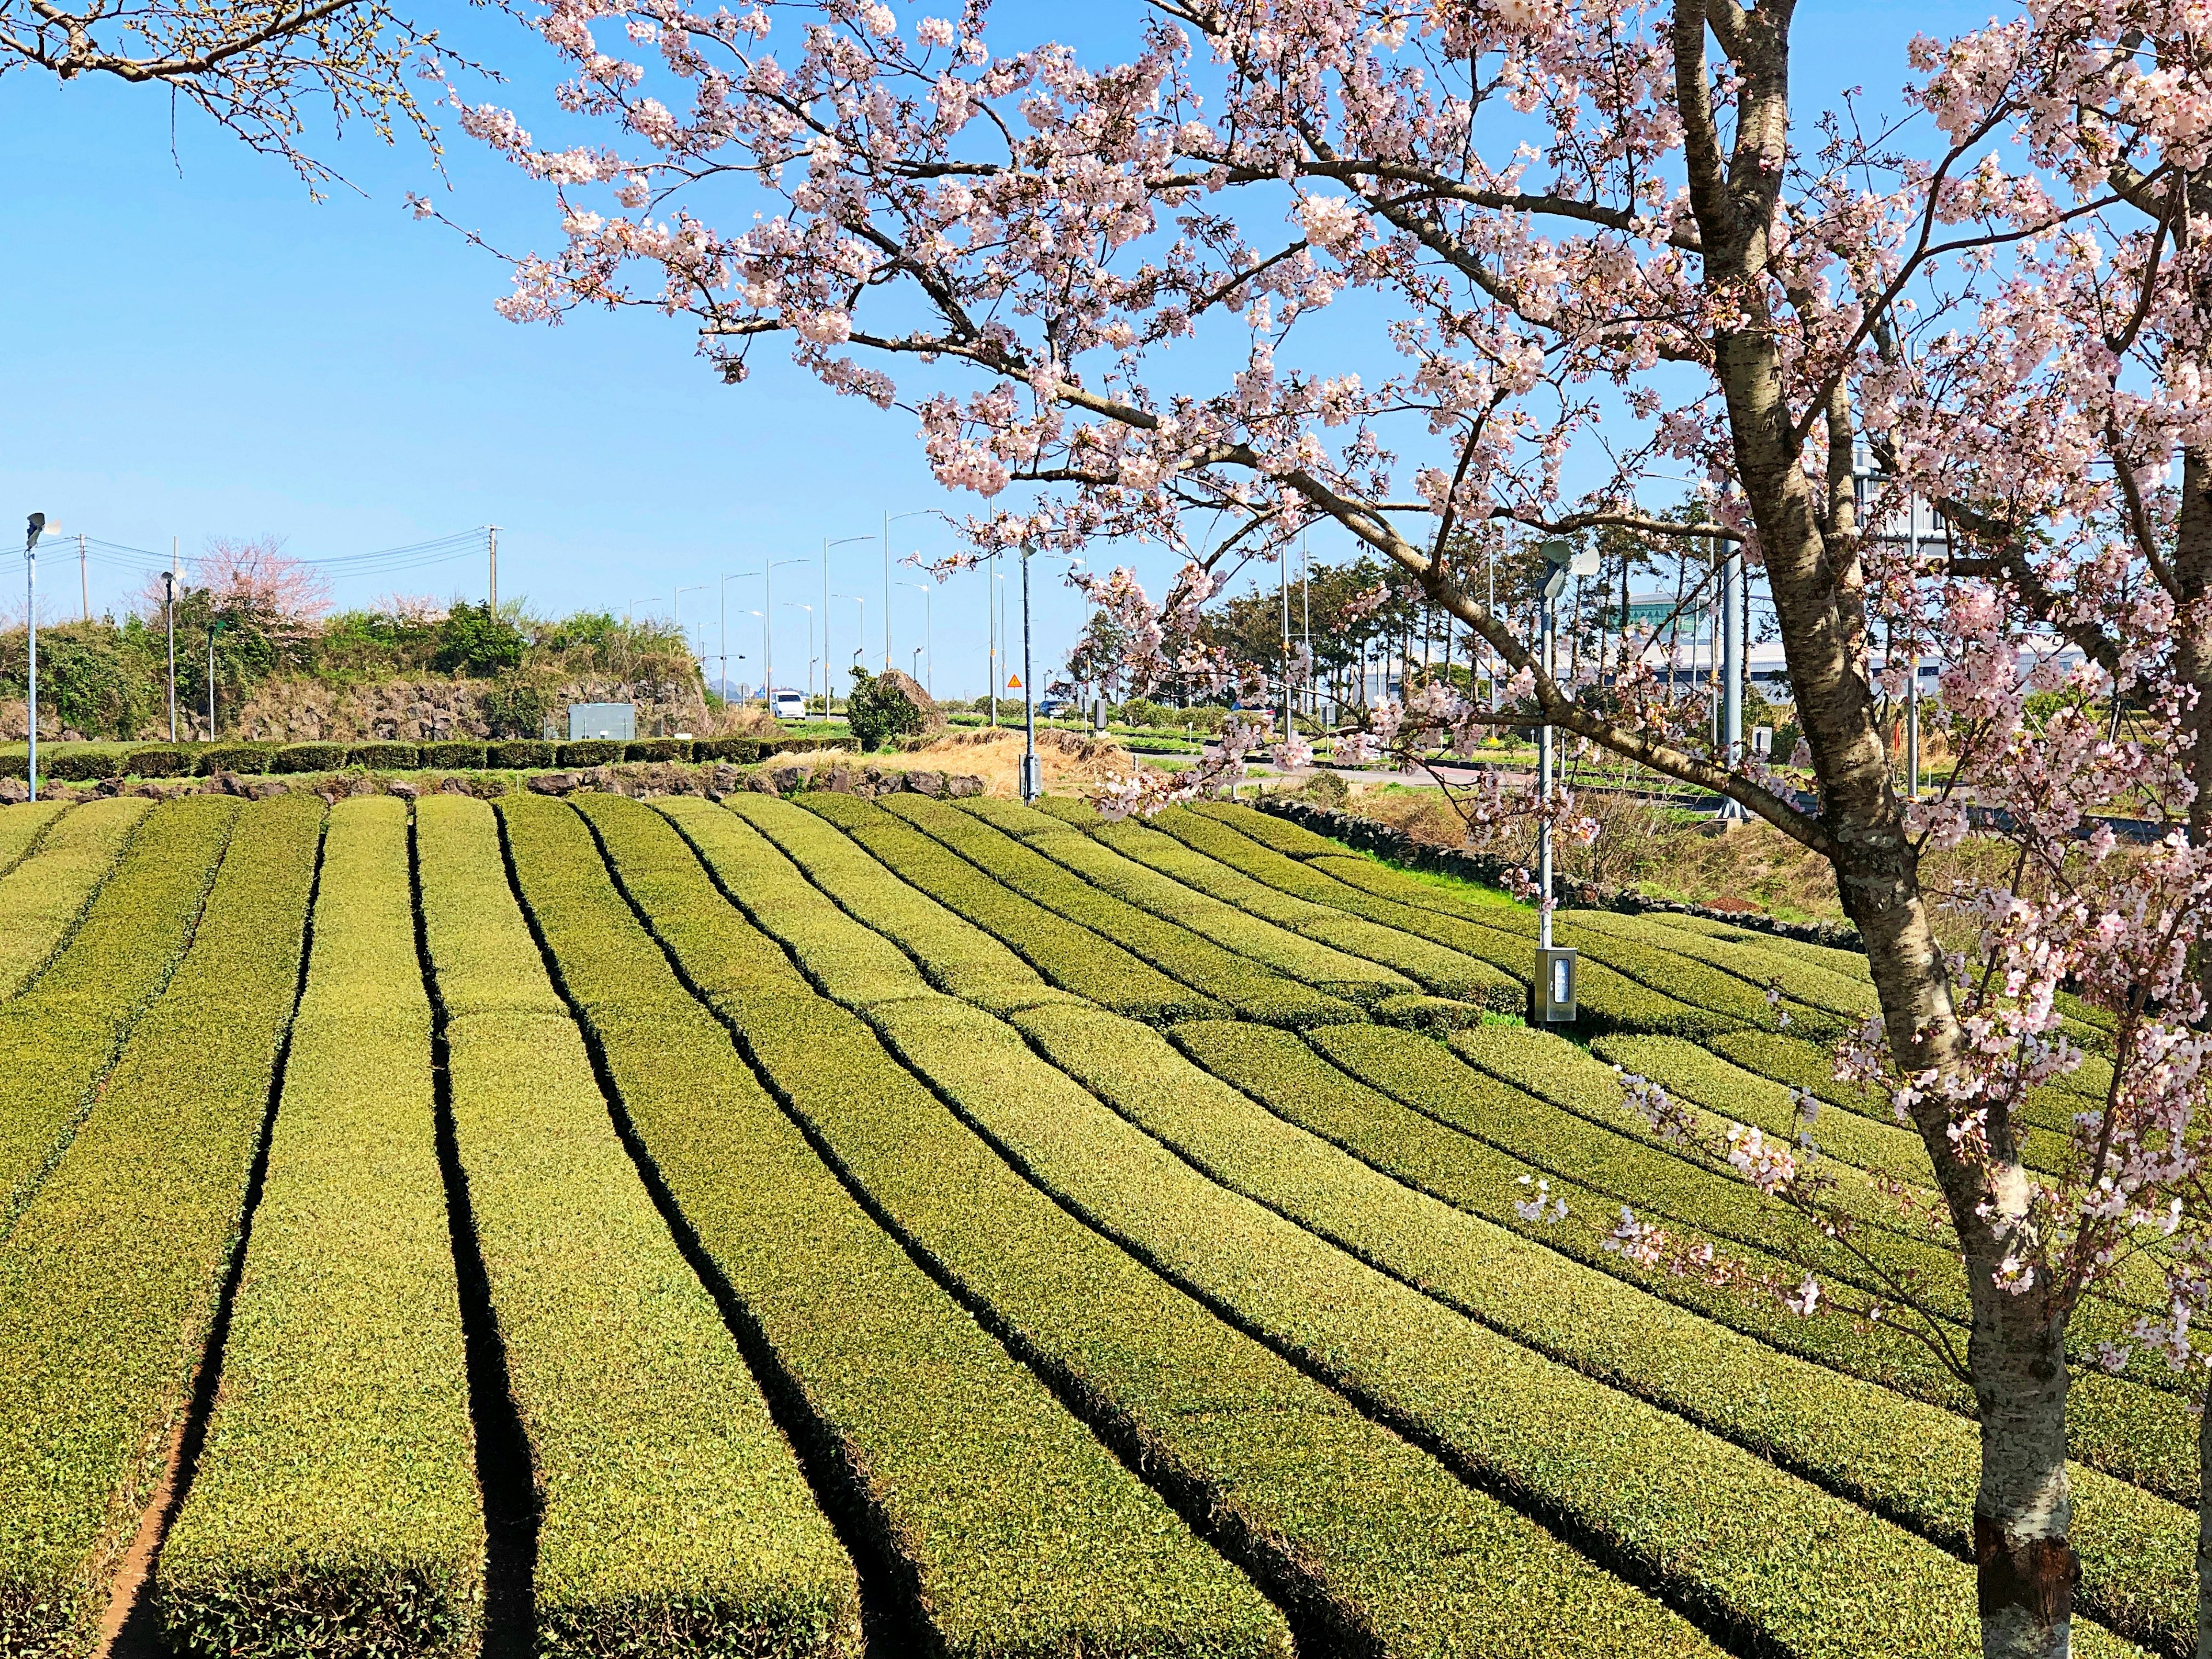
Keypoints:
(195, 348)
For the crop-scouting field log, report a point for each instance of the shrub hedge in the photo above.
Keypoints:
(21, 827)
(158, 759)
(109, 1280)
(1252, 989)
(1436, 969)
(52, 880)
(1608, 1000)
(1843, 997)
(454, 754)
(309, 757)
(335, 1507)
(1295, 957)
(674, 1516)
(1071, 957)
(658, 748)
(1012, 1529)
(591, 751)
(520, 754)
(240, 758)
(58, 1039)
(1401, 1558)
(385, 756)
(1910, 1462)
(80, 765)
(955, 956)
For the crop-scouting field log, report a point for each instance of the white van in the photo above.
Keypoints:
(790, 706)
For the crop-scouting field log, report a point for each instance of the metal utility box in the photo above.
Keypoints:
(617, 721)
(1552, 1000)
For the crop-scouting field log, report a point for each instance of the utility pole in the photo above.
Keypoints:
(84, 579)
(1553, 999)
(33, 529)
(491, 583)
(1283, 587)
(991, 633)
(1732, 619)
(1031, 786)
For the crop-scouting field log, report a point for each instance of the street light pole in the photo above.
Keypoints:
(928, 636)
(169, 613)
(34, 527)
(888, 517)
(768, 609)
(826, 545)
(734, 576)
(1031, 788)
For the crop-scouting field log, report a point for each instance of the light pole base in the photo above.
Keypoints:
(1032, 773)
(1551, 997)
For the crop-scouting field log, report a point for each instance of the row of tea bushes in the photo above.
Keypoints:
(22, 826)
(110, 1280)
(92, 765)
(1399, 1557)
(675, 1518)
(335, 1507)
(45, 894)
(58, 1038)
(1006, 1526)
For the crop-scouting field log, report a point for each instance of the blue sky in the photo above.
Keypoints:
(198, 349)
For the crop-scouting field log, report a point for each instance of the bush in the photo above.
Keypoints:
(79, 765)
(472, 640)
(741, 751)
(309, 757)
(953, 1443)
(158, 759)
(244, 757)
(658, 748)
(520, 753)
(385, 756)
(456, 756)
(878, 709)
(15, 763)
(591, 751)
(105, 1300)
(325, 1516)
(45, 894)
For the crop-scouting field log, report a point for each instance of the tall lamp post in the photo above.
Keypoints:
(888, 519)
(1552, 997)
(1032, 782)
(827, 545)
(767, 609)
(739, 575)
(215, 625)
(928, 636)
(34, 527)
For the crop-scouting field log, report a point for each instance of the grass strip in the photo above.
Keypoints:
(1399, 1558)
(21, 827)
(110, 1282)
(1073, 958)
(335, 1507)
(675, 1518)
(1913, 1463)
(1608, 1000)
(45, 894)
(956, 957)
(1250, 988)
(1293, 954)
(1437, 968)
(58, 1039)
(1015, 1532)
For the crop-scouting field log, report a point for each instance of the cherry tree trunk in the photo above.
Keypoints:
(2025, 1568)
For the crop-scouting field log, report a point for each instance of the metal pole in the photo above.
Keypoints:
(31, 613)
(169, 614)
(1489, 609)
(83, 581)
(825, 627)
(1732, 666)
(1544, 795)
(491, 585)
(1305, 605)
(887, 591)
(1913, 686)
(991, 633)
(767, 657)
(210, 678)
(1029, 789)
(1283, 582)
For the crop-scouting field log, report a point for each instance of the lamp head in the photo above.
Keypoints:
(36, 528)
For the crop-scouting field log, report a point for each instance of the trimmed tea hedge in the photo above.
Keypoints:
(658, 748)
(742, 751)
(308, 757)
(80, 765)
(455, 754)
(385, 756)
(21, 827)
(1013, 1528)
(1441, 971)
(1071, 957)
(955, 956)
(1608, 1000)
(1253, 990)
(109, 1281)
(241, 757)
(1207, 916)
(1844, 997)
(42, 897)
(335, 1507)
(591, 751)
(1402, 1558)
(58, 1039)
(158, 759)
(675, 1518)
(520, 754)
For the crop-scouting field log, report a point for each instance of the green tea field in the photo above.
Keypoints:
(814, 1225)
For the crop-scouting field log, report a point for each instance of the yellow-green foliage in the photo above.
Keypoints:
(1018, 1533)
(675, 1518)
(1402, 1558)
(1437, 968)
(1205, 915)
(1748, 955)
(43, 896)
(1071, 957)
(109, 1281)
(335, 1509)
(21, 826)
(956, 957)
(58, 1039)
(1607, 1000)
(1251, 989)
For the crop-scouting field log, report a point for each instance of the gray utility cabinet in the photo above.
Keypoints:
(617, 720)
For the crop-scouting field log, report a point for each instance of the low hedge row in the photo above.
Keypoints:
(1293, 954)
(76, 764)
(1401, 1558)
(42, 896)
(674, 1516)
(1608, 1000)
(1438, 969)
(1913, 1463)
(21, 827)
(110, 1279)
(1843, 997)
(335, 1506)
(1250, 988)
(1010, 1526)
(955, 956)
(58, 1039)
(1071, 957)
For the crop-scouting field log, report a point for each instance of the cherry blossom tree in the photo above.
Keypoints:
(1602, 245)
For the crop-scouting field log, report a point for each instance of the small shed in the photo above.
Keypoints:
(617, 720)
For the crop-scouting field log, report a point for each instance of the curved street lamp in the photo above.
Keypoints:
(34, 527)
